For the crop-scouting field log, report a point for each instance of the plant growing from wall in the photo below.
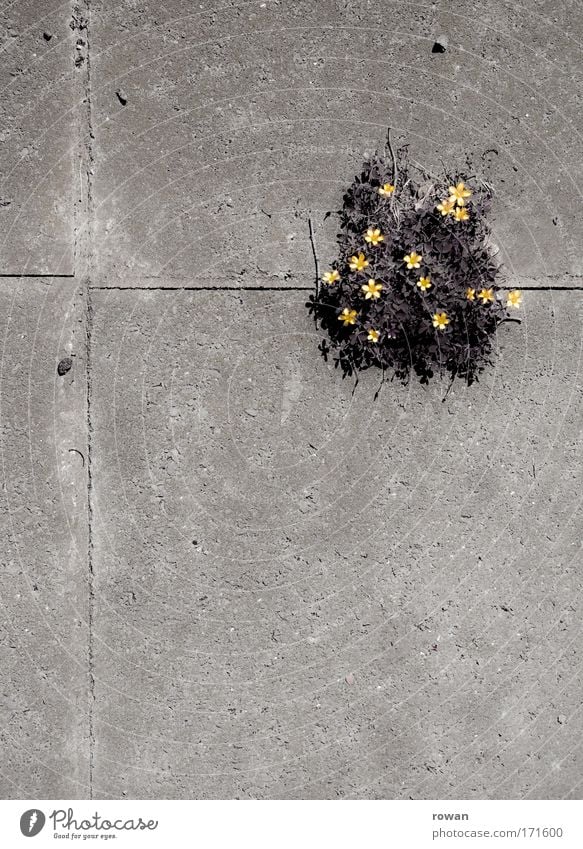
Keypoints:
(414, 289)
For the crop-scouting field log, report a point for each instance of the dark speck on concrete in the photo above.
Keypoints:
(441, 44)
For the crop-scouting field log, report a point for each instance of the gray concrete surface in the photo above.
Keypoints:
(302, 593)
(242, 117)
(39, 108)
(253, 581)
(44, 601)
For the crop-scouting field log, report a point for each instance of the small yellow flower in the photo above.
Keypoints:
(471, 294)
(358, 263)
(374, 236)
(386, 190)
(372, 290)
(440, 320)
(461, 214)
(514, 299)
(447, 206)
(424, 283)
(348, 316)
(373, 335)
(331, 277)
(486, 296)
(413, 260)
(459, 193)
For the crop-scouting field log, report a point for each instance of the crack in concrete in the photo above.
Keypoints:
(202, 288)
(83, 256)
(287, 288)
(261, 288)
(40, 276)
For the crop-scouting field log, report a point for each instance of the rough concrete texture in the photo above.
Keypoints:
(304, 593)
(254, 580)
(242, 118)
(44, 710)
(38, 116)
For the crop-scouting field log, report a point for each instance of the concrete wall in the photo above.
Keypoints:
(225, 571)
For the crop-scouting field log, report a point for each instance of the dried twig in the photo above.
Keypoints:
(394, 161)
(378, 392)
(395, 177)
(316, 263)
(451, 383)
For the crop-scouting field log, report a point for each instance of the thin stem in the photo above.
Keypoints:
(447, 391)
(377, 393)
(316, 263)
(393, 160)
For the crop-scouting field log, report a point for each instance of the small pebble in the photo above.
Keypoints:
(64, 366)
(561, 719)
(121, 96)
(349, 679)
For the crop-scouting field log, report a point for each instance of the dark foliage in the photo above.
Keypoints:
(455, 254)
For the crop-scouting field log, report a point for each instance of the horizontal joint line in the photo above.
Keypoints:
(204, 288)
(49, 276)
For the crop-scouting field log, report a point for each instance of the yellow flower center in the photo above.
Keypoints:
(373, 236)
(348, 316)
(331, 277)
(459, 193)
(446, 207)
(440, 320)
(358, 263)
(514, 298)
(372, 289)
(412, 260)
